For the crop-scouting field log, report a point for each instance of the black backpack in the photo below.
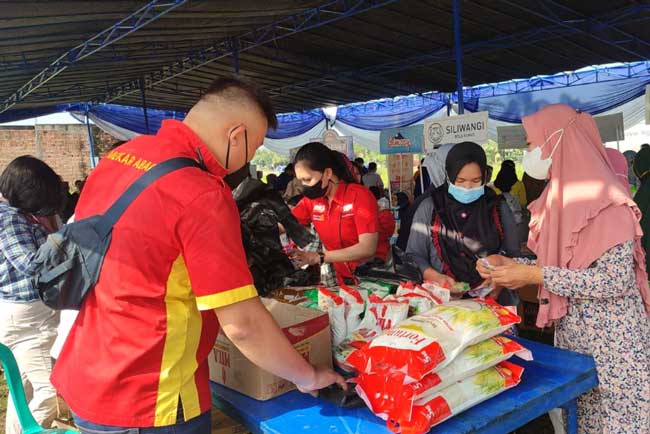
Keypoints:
(67, 266)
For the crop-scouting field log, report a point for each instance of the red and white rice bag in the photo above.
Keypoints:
(389, 312)
(417, 303)
(367, 330)
(355, 305)
(459, 397)
(334, 305)
(428, 342)
(387, 396)
(437, 294)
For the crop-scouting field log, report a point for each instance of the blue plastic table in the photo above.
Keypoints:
(554, 379)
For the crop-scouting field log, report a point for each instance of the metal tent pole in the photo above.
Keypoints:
(91, 140)
(144, 105)
(458, 48)
(235, 60)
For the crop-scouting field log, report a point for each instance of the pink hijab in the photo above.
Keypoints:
(584, 211)
(619, 163)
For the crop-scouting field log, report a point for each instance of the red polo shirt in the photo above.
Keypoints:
(144, 333)
(352, 212)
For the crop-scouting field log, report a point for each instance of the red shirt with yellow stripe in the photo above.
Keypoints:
(143, 335)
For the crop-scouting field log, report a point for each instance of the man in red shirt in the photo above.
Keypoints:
(175, 272)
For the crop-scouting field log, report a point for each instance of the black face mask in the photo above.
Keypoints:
(315, 191)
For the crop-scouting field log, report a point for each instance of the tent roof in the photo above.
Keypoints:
(308, 57)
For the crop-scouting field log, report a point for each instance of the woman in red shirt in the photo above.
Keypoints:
(344, 213)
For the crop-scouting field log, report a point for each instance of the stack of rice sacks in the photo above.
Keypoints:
(435, 364)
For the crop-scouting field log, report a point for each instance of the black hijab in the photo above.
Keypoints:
(462, 233)
(507, 177)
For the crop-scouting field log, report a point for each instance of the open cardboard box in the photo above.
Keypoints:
(307, 329)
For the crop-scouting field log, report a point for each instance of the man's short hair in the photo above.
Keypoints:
(233, 88)
(372, 166)
(358, 160)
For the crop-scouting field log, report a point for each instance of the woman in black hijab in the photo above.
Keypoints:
(461, 222)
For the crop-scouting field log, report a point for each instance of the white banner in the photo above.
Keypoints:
(456, 129)
(611, 129)
(332, 140)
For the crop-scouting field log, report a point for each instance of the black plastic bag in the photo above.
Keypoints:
(261, 209)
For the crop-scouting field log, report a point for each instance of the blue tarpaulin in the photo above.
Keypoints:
(594, 90)
(391, 113)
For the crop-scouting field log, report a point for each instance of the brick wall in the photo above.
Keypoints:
(63, 147)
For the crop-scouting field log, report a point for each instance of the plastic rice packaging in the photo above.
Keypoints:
(428, 342)
(437, 294)
(380, 289)
(366, 331)
(334, 305)
(458, 398)
(388, 396)
(390, 312)
(417, 303)
(355, 305)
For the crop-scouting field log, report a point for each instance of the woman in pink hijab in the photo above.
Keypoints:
(590, 266)
(620, 166)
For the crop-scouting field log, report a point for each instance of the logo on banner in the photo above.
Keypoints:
(399, 141)
(436, 133)
(456, 129)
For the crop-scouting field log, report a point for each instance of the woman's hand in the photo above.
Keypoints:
(516, 276)
(443, 280)
(495, 261)
(305, 258)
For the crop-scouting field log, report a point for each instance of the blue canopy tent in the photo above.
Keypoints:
(597, 90)
(129, 88)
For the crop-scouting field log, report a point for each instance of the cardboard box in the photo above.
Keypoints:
(528, 293)
(223, 424)
(307, 329)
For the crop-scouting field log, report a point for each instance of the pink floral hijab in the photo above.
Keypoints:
(585, 210)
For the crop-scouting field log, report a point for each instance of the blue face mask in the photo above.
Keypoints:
(466, 195)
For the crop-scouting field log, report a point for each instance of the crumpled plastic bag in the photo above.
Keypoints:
(261, 209)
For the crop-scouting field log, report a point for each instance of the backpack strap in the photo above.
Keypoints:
(110, 217)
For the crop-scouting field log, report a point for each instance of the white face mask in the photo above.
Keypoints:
(534, 165)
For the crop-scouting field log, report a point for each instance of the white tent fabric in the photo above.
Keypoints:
(112, 129)
(370, 139)
(283, 146)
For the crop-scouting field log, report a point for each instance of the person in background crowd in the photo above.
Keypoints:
(344, 213)
(461, 222)
(174, 274)
(435, 165)
(372, 178)
(71, 201)
(361, 165)
(285, 178)
(294, 188)
(271, 179)
(534, 187)
(79, 185)
(31, 192)
(508, 182)
(421, 181)
(645, 145)
(641, 169)
(386, 222)
(634, 181)
(619, 164)
(589, 267)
